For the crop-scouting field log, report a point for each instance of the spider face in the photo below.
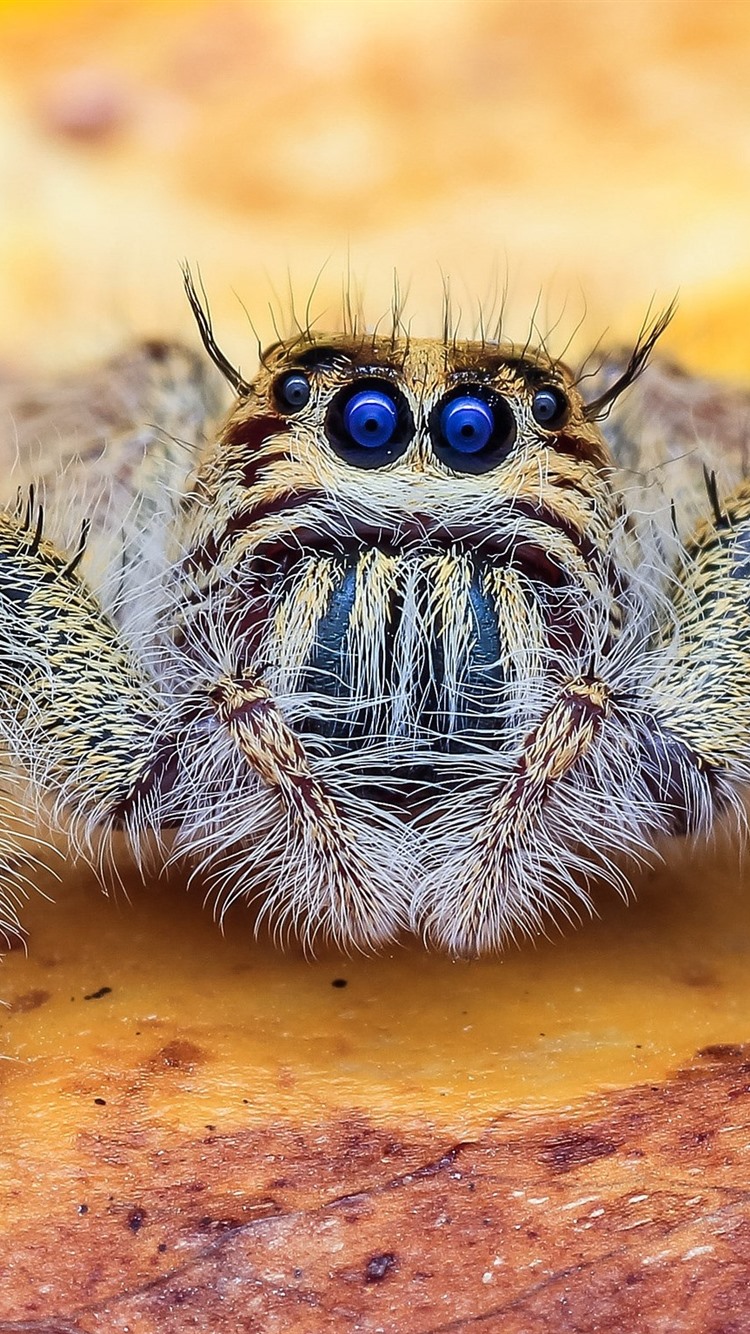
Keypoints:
(411, 536)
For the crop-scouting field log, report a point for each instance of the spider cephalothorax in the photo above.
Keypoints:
(403, 662)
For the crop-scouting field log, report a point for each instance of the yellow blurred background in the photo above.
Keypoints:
(594, 150)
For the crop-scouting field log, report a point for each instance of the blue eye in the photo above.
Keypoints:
(473, 430)
(371, 418)
(467, 424)
(292, 391)
(549, 407)
(368, 423)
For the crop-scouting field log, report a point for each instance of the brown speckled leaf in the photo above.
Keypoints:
(634, 1204)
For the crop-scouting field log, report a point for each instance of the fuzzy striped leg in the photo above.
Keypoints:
(486, 902)
(701, 699)
(77, 717)
(336, 893)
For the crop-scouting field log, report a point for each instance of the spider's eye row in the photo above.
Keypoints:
(473, 428)
(292, 391)
(371, 418)
(549, 407)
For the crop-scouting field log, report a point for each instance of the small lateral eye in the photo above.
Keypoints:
(550, 407)
(292, 391)
(371, 418)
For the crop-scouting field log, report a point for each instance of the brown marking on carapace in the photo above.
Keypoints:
(577, 446)
(264, 509)
(240, 1244)
(251, 433)
(256, 466)
(212, 548)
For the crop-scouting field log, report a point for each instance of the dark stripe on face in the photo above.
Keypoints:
(252, 432)
(213, 547)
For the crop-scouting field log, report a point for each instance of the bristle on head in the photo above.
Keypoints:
(637, 362)
(202, 316)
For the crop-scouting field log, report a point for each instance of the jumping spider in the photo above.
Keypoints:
(386, 649)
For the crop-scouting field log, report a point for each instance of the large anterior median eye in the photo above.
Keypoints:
(371, 419)
(467, 424)
(473, 430)
(369, 424)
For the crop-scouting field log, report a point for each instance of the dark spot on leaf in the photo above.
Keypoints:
(575, 1149)
(97, 995)
(180, 1055)
(136, 1219)
(721, 1051)
(30, 1000)
(378, 1266)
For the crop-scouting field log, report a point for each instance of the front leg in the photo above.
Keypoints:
(491, 890)
(104, 748)
(329, 886)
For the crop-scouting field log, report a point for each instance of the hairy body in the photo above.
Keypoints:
(389, 646)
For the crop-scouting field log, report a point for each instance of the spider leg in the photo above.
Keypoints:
(615, 765)
(483, 900)
(79, 720)
(89, 443)
(339, 894)
(702, 694)
(83, 721)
